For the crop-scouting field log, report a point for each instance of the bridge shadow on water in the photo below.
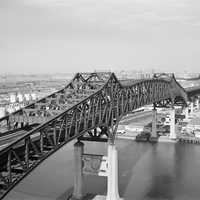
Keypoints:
(166, 173)
(128, 158)
(66, 194)
(148, 171)
(163, 172)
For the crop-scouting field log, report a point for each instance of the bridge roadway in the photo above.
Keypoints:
(10, 136)
(7, 139)
(88, 102)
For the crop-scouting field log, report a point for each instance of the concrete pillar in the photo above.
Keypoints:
(197, 103)
(78, 172)
(172, 134)
(154, 124)
(186, 112)
(191, 108)
(112, 179)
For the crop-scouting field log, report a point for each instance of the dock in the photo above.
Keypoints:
(192, 140)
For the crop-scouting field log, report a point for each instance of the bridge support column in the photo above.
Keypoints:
(191, 108)
(78, 171)
(197, 103)
(154, 123)
(172, 134)
(186, 112)
(112, 179)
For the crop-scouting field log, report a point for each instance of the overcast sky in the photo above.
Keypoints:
(38, 36)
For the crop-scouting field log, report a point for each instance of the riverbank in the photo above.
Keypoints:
(130, 130)
(164, 139)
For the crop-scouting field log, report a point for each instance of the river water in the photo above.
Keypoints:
(146, 172)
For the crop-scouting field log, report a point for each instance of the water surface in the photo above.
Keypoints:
(146, 171)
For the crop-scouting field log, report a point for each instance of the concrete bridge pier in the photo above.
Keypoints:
(197, 103)
(172, 134)
(112, 178)
(186, 112)
(191, 108)
(154, 124)
(78, 171)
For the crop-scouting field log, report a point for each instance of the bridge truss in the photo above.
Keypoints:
(91, 106)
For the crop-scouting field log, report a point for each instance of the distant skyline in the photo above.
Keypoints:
(62, 36)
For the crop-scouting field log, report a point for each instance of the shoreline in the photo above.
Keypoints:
(161, 139)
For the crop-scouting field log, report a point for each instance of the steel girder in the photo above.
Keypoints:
(99, 101)
(81, 86)
(193, 92)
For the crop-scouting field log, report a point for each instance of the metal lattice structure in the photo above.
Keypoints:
(193, 91)
(90, 105)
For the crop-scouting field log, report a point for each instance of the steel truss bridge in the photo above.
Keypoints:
(89, 107)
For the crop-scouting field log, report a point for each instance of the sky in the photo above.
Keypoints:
(60, 36)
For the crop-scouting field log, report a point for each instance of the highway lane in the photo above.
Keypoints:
(7, 139)
(140, 118)
(137, 118)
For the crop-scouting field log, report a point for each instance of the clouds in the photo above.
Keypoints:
(114, 10)
(50, 29)
(104, 15)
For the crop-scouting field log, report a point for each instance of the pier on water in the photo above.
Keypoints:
(192, 140)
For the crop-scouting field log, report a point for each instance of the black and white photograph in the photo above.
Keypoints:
(99, 99)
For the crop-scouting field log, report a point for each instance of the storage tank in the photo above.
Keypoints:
(20, 97)
(34, 97)
(13, 98)
(2, 112)
(10, 109)
(27, 97)
(17, 107)
(21, 105)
